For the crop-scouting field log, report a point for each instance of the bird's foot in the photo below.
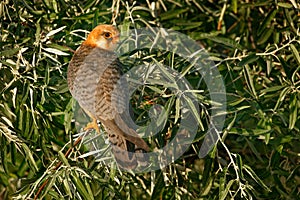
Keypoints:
(92, 125)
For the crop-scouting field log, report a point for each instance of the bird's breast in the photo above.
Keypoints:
(93, 79)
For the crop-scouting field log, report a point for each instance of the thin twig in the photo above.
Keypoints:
(277, 49)
(77, 141)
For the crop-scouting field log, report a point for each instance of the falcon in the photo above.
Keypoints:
(94, 80)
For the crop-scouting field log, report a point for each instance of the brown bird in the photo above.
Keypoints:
(94, 81)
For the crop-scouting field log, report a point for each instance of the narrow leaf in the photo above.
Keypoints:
(227, 42)
(281, 97)
(9, 52)
(63, 158)
(255, 177)
(293, 110)
(265, 35)
(249, 59)
(53, 32)
(295, 53)
(267, 20)
(29, 157)
(284, 5)
(225, 192)
(56, 51)
(177, 110)
(195, 112)
(272, 89)
(248, 132)
(249, 81)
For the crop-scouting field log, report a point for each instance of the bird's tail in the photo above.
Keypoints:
(127, 146)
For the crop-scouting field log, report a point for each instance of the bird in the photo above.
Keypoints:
(95, 81)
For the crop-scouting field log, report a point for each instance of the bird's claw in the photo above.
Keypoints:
(92, 125)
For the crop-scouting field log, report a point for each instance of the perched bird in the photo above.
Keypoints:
(94, 81)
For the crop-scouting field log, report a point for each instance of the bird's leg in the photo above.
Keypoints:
(92, 125)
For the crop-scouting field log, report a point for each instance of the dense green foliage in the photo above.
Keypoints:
(254, 44)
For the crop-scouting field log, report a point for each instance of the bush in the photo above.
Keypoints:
(255, 46)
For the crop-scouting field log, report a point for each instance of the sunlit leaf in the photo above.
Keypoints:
(53, 32)
(56, 51)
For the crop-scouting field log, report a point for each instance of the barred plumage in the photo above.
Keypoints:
(94, 81)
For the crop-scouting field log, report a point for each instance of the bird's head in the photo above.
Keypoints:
(103, 36)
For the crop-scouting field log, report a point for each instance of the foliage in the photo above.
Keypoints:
(254, 44)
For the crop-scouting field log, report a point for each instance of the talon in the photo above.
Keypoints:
(92, 125)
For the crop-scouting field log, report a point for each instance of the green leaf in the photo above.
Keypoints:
(88, 188)
(239, 162)
(273, 89)
(55, 195)
(186, 26)
(80, 187)
(295, 53)
(51, 182)
(234, 5)
(254, 150)
(249, 80)
(4, 158)
(172, 14)
(236, 102)
(10, 52)
(248, 132)
(59, 47)
(249, 59)
(96, 16)
(159, 187)
(267, 20)
(281, 97)
(199, 35)
(255, 177)
(265, 35)
(224, 193)
(195, 112)
(37, 32)
(227, 42)
(288, 16)
(223, 181)
(66, 183)
(177, 109)
(31, 9)
(208, 186)
(208, 165)
(293, 110)
(284, 5)
(62, 88)
(13, 153)
(63, 158)
(29, 157)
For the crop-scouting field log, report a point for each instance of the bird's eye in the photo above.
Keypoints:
(107, 35)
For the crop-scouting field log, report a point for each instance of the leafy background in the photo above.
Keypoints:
(255, 45)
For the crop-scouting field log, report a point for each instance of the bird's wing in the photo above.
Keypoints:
(110, 94)
(76, 63)
(93, 74)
